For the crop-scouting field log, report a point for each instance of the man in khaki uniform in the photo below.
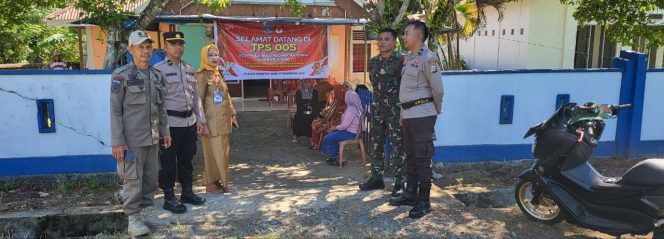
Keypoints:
(421, 97)
(185, 118)
(138, 122)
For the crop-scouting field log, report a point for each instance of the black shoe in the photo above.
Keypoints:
(404, 198)
(171, 204)
(396, 191)
(423, 207)
(191, 198)
(374, 183)
(333, 162)
(407, 197)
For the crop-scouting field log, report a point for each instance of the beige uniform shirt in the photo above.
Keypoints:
(181, 93)
(421, 78)
(138, 116)
(218, 115)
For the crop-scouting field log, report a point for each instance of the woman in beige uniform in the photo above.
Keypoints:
(220, 116)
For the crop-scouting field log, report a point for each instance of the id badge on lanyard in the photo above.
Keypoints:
(217, 97)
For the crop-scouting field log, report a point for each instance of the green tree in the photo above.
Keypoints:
(628, 22)
(108, 14)
(26, 39)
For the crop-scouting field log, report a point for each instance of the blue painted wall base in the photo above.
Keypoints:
(476, 153)
(57, 165)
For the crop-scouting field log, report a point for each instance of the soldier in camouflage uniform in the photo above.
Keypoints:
(385, 75)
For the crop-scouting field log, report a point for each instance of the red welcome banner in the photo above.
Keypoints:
(272, 51)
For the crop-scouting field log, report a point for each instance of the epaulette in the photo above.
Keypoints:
(121, 69)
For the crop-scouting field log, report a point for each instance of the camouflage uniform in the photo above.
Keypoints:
(385, 75)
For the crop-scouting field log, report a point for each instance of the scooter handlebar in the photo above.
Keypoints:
(616, 108)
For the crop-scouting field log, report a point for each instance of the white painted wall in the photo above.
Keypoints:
(653, 109)
(471, 104)
(471, 109)
(552, 35)
(486, 50)
(81, 102)
(548, 41)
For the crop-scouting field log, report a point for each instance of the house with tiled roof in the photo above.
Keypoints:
(343, 20)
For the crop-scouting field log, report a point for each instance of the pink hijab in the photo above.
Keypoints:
(354, 104)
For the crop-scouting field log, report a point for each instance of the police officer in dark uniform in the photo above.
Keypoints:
(185, 119)
(385, 75)
(421, 97)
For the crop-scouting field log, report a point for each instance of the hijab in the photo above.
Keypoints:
(306, 92)
(354, 103)
(205, 62)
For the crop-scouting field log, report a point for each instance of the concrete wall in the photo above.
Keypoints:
(548, 39)
(490, 49)
(653, 109)
(81, 104)
(469, 128)
(552, 35)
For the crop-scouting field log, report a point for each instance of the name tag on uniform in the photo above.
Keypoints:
(171, 74)
(217, 97)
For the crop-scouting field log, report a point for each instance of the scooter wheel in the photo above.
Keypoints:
(658, 233)
(547, 211)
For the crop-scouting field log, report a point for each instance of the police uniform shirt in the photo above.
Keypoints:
(138, 116)
(181, 93)
(421, 78)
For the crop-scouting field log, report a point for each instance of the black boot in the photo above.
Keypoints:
(407, 197)
(397, 190)
(423, 205)
(188, 196)
(171, 203)
(374, 183)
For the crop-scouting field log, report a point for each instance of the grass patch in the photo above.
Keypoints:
(67, 187)
(6, 187)
(93, 184)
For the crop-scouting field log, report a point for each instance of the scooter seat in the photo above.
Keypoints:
(649, 172)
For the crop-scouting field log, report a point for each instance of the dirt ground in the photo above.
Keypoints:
(297, 195)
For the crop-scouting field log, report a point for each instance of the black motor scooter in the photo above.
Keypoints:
(562, 185)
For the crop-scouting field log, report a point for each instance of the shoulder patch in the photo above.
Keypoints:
(116, 83)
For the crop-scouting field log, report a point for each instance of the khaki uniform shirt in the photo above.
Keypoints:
(218, 116)
(138, 116)
(421, 78)
(181, 93)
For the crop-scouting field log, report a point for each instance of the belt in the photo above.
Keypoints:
(417, 102)
(181, 114)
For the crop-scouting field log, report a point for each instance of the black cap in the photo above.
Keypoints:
(173, 36)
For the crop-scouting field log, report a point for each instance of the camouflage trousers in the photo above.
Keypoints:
(381, 128)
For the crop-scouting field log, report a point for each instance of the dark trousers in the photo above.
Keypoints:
(177, 158)
(418, 137)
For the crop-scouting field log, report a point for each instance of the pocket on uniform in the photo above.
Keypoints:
(127, 169)
(424, 149)
(135, 95)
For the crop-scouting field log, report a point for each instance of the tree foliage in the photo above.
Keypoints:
(26, 39)
(628, 22)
